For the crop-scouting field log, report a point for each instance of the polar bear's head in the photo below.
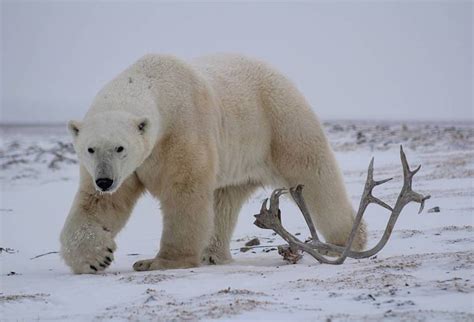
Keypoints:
(111, 146)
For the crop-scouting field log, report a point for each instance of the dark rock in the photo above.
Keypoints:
(253, 242)
(434, 209)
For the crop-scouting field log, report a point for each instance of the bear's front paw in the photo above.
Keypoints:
(88, 249)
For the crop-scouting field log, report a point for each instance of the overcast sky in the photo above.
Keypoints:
(365, 60)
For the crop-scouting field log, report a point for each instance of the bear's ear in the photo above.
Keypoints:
(74, 127)
(142, 125)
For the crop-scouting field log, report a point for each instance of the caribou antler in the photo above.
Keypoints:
(269, 218)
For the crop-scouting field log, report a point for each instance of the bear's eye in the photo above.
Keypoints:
(119, 149)
(90, 150)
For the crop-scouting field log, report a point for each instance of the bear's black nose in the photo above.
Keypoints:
(104, 183)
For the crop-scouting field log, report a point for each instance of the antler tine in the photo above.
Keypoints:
(379, 182)
(370, 184)
(264, 219)
(406, 167)
(370, 171)
(264, 205)
(407, 195)
(380, 203)
(269, 218)
(407, 173)
(297, 195)
(416, 170)
(422, 203)
(275, 199)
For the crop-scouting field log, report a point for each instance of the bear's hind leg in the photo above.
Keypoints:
(332, 213)
(227, 204)
(325, 195)
(302, 155)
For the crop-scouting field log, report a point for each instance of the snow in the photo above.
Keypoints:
(425, 272)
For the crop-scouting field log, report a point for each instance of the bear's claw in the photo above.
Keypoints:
(96, 266)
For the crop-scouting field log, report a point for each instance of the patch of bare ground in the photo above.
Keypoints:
(53, 156)
(406, 315)
(360, 280)
(349, 136)
(23, 297)
(413, 261)
(449, 166)
(153, 278)
(389, 275)
(408, 233)
(466, 228)
(157, 305)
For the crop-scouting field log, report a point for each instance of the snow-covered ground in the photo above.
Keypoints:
(425, 273)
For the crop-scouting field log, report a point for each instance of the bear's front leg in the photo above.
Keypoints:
(187, 227)
(87, 238)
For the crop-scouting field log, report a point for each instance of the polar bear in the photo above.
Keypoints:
(199, 136)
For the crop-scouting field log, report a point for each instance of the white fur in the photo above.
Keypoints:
(216, 129)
